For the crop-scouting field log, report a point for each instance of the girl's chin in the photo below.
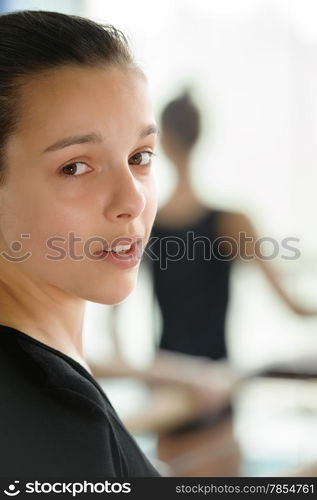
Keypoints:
(113, 296)
(115, 300)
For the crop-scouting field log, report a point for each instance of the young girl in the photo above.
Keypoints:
(77, 203)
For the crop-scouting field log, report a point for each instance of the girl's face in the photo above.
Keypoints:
(80, 181)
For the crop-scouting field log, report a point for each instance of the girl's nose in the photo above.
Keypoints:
(128, 199)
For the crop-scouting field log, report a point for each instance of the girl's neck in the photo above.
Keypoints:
(43, 312)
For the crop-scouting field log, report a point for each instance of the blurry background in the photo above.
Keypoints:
(252, 69)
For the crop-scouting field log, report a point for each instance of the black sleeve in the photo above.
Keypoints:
(56, 421)
(41, 436)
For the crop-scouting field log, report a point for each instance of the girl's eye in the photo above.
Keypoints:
(142, 158)
(74, 169)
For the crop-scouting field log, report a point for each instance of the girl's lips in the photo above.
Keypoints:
(123, 260)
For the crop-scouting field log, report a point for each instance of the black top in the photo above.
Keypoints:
(55, 419)
(191, 283)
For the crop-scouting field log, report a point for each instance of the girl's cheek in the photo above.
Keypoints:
(153, 200)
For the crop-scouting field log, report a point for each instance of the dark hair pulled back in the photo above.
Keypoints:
(32, 42)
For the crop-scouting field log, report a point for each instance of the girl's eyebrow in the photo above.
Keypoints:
(74, 139)
(150, 129)
(93, 137)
